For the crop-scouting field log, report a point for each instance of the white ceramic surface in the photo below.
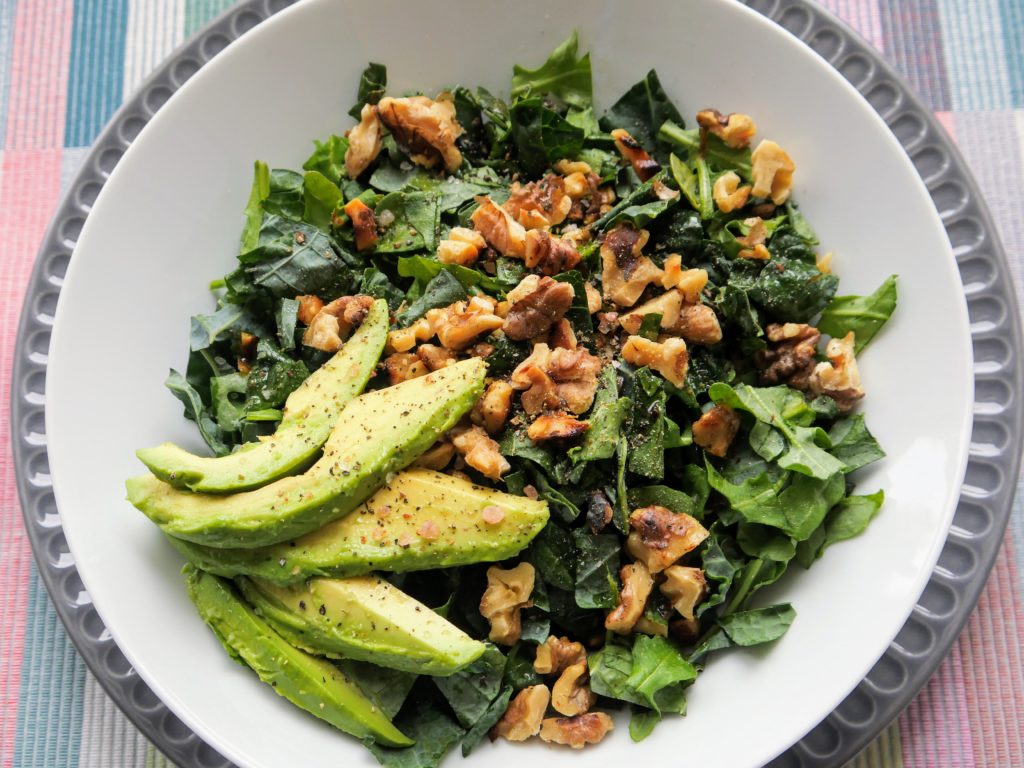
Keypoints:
(168, 221)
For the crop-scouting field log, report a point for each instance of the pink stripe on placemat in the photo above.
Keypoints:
(863, 16)
(39, 74)
(948, 121)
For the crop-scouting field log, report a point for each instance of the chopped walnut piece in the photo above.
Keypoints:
(566, 167)
(335, 321)
(502, 232)
(728, 194)
(715, 430)
(577, 185)
(458, 325)
(556, 426)
(363, 142)
(791, 355)
(437, 457)
(685, 587)
(556, 654)
(689, 282)
(557, 379)
(435, 357)
(539, 204)
(753, 241)
(322, 333)
(625, 270)
(508, 592)
(492, 409)
(634, 154)
(772, 170)
(669, 357)
(659, 536)
(636, 588)
(578, 731)
(698, 324)
(363, 223)
(427, 128)
(735, 129)
(404, 339)
(548, 254)
(594, 300)
(480, 452)
(825, 264)
(668, 305)
(462, 246)
(309, 306)
(839, 378)
(537, 303)
(402, 366)
(562, 335)
(570, 695)
(523, 717)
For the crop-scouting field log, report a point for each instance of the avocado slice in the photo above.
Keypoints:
(313, 684)
(364, 618)
(309, 413)
(384, 533)
(376, 434)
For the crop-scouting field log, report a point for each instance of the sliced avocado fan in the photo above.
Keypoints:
(313, 684)
(309, 414)
(363, 618)
(376, 434)
(419, 520)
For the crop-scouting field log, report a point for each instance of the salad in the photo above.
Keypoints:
(514, 409)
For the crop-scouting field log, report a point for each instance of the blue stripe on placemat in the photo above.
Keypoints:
(96, 73)
(52, 681)
(1011, 13)
(6, 43)
(913, 42)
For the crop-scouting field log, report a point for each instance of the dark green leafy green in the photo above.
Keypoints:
(642, 110)
(597, 563)
(757, 626)
(321, 197)
(553, 555)
(372, 84)
(443, 290)
(845, 520)
(387, 687)
(606, 418)
(287, 318)
(563, 75)
(657, 664)
(469, 692)
(328, 158)
(542, 136)
(434, 732)
(197, 412)
(254, 206)
(864, 315)
(486, 721)
(853, 444)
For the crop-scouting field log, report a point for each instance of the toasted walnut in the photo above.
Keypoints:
(668, 305)
(634, 154)
(458, 325)
(570, 695)
(753, 241)
(636, 588)
(791, 355)
(625, 271)
(322, 333)
(685, 587)
(502, 232)
(669, 358)
(599, 511)
(537, 303)
(576, 732)
(404, 339)
(689, 282)
(562, 336)
(715, 430)
(825, 264)
(491, 410)
(839, 378)
(435, 357)
(728, 194)
(698, 324)
(556, 654)
(309, 307)
(508, 592)
(403, 366)
(594, 300)
(577, 185)
(566, 166)
(437, 457)
(772, 170)
(523, 717)
(550, 255)
(660, 536)
(539, 204)
(462, 246)
(427, 128)
(556, 426)
(363, 142)
(480, 452)
(363, 223)
(557, 379)
(735, 129)
(335, 321)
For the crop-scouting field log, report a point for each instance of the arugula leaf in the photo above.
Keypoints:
(721, 561)
(387, 688)
(657, 664)
(433, 731)
(562, 75)
(424, 268)
(321, 197)
(197, 412)
(686, 180)
(764, 542)
(641, 215)
(853, 444)
(372, 84)
(864, 315)
(328, 158)
(642, 110)
(845, 520)
(608, 414)
(443, 290)
(614, 671)
(761, 625)
(642, 722)
(597, 563)
(553, 555)
(542, 136)
(806, 501)
(470, 691)
(486, 721)
(254, 206)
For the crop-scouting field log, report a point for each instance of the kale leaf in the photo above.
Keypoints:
(642, 110)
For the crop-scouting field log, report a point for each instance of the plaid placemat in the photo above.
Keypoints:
(65, 66)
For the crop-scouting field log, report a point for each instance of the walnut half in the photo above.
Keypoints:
(659, 536)
(839, 378)
(508, 592)
(636, 588)
(578, 731)
(523, 717)
(536, 304)
(427, 128)
(669, 358)
(557, 653)
(570, 695)
(480, 452)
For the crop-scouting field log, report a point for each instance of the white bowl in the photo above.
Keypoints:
(168, 220)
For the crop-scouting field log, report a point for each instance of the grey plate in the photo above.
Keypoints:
(985, 499)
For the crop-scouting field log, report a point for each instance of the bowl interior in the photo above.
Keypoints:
(168, 220)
